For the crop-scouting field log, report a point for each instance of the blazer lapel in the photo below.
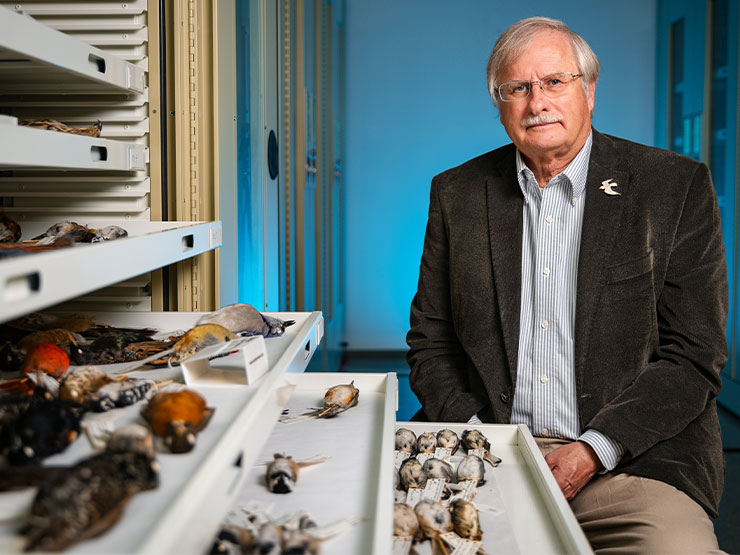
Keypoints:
(601, 217)
(504, 199)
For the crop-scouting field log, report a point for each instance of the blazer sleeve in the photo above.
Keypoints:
(436, 358)
(683, 376)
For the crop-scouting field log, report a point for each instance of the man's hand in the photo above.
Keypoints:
(573, 465)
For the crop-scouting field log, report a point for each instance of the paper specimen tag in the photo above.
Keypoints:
(466, 547)
(247, 366)
(401, 546)
(413, 496)
(479, 452)
(433, 489)
(442, 453)
(400, 456)
(423, 457)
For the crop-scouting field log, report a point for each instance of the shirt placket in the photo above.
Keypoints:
(546, 309)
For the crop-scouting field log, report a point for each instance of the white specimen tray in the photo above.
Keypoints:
(540, 517)
(196, 488)
(357, 480)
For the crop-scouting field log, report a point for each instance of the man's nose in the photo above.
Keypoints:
(537, 99)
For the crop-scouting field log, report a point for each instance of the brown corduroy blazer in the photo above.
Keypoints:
(651, 307)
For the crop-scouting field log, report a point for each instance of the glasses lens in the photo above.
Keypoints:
(556, 84)
(513, 90)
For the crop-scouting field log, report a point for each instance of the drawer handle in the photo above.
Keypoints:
(21, 287)
(97, 62)
(307, 350)
(187, 243)
(99, 153)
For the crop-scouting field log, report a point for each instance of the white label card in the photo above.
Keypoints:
(479, 452)
(442, 453)
(413, 496)
(423, 457)
(401, 546)
(400, 456)
(433, 489)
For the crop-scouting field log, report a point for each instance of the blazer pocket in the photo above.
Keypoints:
(631, 269)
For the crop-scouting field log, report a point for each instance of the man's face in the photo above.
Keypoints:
(549, 52)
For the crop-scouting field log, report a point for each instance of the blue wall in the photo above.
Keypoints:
(417, 104)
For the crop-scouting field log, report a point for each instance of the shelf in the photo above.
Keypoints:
(36, 281)
(196, 488)
(31, 148)
(540, 518)
(34, 59)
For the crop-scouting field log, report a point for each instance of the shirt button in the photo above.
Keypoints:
(546, 271)
(504, 397)
(545, 324)
(543, 379)
(544, 431)
(548, 218)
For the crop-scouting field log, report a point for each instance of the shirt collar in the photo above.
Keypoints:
(575, 173)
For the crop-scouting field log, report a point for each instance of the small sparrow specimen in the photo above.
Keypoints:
(434, 519)
(412, 474)
(177, 417)
(68, 230)
(473, 439)
(439, 470)
(244, 319)
(109, 233)
(281, 474)
(465, 519)
(471, 469)
(426, 443)
(405, 522)
(405, 441)
(448, 439)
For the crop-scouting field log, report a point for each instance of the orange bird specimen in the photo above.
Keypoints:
(48, 358)
(177, 416)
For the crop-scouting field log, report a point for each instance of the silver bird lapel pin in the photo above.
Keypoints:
(608, 187)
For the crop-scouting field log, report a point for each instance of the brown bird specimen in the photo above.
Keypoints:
(465, 519)
(42, 321)
(194, 340)
(177, 417)
(87, 500)
(97, 391)
(10, 230)
(10, 250)
(337, 399)
(474, 439)
(66, 230)
(54, 125)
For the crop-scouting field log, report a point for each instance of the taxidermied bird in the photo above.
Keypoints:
(281, 474)
(109, 233)
(87, 499)
(447, 439)
(10, 230)
(405, 522)
(68, 230)
(471, 469)
(405, 440)
(426, 442)
(48, 358)
(412, 474)
(177, 417)
(244, 319)
(54, 125)
(465, 519)
(473, 439)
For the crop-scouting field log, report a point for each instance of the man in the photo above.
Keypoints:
(576, 282)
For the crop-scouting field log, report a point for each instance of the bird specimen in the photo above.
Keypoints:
(48, 358)
(473, 439)
(42, 321)
(10, 250)
(281, 474)
(437, 469)
(133, 438)
(177, 417)
(87, 500)
(434, 520)
(42, 427)
(69, 230)
(244, 319)
(54, 125)
(195, 339)
(412, 474)
(405, 440)
(405, 522)
(465, 520)
(59, 337)
(337, 399)
(471, 469)
(10, 230)
(447, 439)
(108, 233)
(97, 391)
(426, 443)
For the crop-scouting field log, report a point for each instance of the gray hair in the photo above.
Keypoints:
(517, 38)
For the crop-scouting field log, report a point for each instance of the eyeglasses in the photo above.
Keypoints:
(552, 85)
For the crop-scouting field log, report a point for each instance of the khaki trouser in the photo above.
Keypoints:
(621, 513)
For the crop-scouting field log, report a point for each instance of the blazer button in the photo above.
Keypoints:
(504, 397)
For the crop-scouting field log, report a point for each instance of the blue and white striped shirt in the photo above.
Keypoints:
(545, 393)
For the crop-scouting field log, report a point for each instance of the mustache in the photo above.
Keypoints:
(540, 119)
